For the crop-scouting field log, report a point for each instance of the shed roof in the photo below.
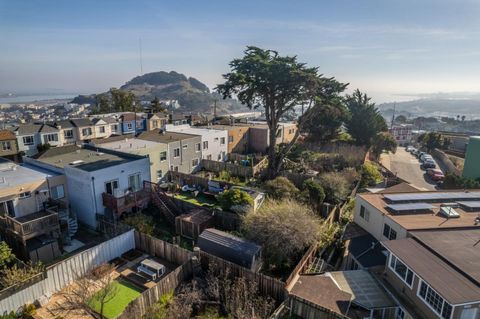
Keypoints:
(230, 241)
(322, 291)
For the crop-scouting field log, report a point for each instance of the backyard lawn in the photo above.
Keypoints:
(124, 294)
(200, 200)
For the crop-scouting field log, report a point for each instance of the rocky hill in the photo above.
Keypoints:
(193, 95)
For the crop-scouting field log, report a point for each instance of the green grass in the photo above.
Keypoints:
(124, 294)
(200, 200)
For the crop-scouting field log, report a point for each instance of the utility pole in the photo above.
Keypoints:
(141, 62)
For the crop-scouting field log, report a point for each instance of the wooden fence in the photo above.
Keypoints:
(233, 169)
(138, 307)
(159, 248)
(267, 286)
(189, 179)
(307, 259)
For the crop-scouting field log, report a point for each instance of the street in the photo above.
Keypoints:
(407, 167)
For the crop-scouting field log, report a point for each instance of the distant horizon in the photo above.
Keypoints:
(384, 48)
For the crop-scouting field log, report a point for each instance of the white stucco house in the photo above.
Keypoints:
(214, 141)
(99, 180)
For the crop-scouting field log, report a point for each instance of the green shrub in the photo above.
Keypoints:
(6, 255)
(234, 199)
(336, 187)
(371, 175)
(453, 181)
(313, 192)
(141, 222)
(280, 187)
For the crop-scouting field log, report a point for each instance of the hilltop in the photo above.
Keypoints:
(192, 94)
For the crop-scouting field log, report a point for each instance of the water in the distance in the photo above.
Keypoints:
(32, 98)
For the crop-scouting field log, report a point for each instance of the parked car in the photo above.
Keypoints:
(409, 148)
(419, 154)
(429, 164)
(426, 157)
(413, 150)
(435, 174)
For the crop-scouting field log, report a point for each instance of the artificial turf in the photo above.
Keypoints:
(125, 292)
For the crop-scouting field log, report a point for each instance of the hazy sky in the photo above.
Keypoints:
(384, 47)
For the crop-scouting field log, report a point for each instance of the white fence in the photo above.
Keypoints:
(65, 272)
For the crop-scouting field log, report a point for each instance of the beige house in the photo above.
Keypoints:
(156, 120)
(85, 129)
(102, 128)
(157, 152)
(8, 144)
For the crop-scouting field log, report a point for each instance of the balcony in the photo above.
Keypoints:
(119, 205)
(30, 226)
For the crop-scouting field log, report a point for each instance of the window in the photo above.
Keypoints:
(176, 169)
(68, 133)
(176, 152)
(389, 233)
(28, 140)
(129, 126)
(6, 208)
(469, 313)
(134, 182)
(159, 174)
(25, 195)
(399, 313)
(87, 131)
(219, 157)
(365, 214)
(195, 162)
(434, 301)
(401, 270)
(114, 127)
(205, 145)
(197, 147)
(155, 124)
(163, 156)
(222, 141)
(6, 146)
(185, 146)
(230, 139)
(215, 139)
(57, 192)
(111, 186)
(101, 129)
(50, 138)
(209, 157)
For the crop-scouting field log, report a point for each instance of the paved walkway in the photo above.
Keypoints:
(407, 167)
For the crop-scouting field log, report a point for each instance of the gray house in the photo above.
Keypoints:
(184, 151)
(234, 249)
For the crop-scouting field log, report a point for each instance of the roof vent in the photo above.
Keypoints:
(76, 162)
(100, 153)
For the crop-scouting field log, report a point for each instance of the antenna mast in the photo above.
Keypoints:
(141, 62)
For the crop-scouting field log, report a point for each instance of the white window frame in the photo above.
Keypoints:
(101, 129)
(6, 146)
(51, 137)
(366, 214)
(28, 143)
(113, 189)
(24, 195)
(428, 305)
(56, 187)
(174, 151)
(129, 126)
(406, 272)
(222, 140)
(389, 233)
(67, 134)
(198, 147)
(163, 159)
(195, 162)
(205, 145)
(136, 175)
(88, 131)
(114, 127)
(4, 204)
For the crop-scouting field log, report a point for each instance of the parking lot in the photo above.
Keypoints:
(407, 167)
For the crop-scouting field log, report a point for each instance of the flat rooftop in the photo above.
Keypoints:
(130, 145)
(88, 158)
(160, 136)
(193, 130)
(423, 218)
(13, 175)
(447, 260)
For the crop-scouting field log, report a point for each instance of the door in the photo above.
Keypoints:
(111, 186)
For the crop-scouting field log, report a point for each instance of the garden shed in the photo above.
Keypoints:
(193, 223)
(232, 248)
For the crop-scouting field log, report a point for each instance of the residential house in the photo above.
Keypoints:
(85, 129)
(435, 273)
(232, 248)
(238, 137)
(178, 119)
(214, 142)
(102, 128)
(156, 120)
(33, 202)
(31, 136)
(184, 151)
(388, 216)
(8, 144)
(132, 123)
(100, 181)
(259, 134)
(402, 133)
(157, 152)
(68, 133)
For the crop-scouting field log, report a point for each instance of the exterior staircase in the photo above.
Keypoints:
(163, 202)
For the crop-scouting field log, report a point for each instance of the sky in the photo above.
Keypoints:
(392, 50)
